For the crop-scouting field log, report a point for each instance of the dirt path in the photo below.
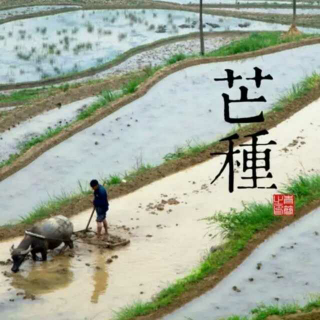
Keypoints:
(158, 216)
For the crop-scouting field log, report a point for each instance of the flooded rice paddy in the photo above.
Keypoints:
(11, 140)
(44, 47)
(289, 266)
(147, 128)
(8, 13)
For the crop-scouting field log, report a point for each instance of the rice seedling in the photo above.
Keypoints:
(122, 36)
(75, 30)
(43, 30)
(90, 27)
(24, 56)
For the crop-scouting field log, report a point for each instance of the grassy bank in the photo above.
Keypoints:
(238, 227)
(254, 42)
(56, 203)
(264, 311)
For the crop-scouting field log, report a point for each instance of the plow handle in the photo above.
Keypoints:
(90, 219)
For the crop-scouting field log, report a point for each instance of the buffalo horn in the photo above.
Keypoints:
(25, 251)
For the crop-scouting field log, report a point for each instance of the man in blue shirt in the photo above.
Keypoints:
(102, 206)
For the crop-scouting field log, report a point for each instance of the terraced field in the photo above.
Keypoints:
(120, 92)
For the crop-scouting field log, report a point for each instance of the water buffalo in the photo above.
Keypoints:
(43, 236)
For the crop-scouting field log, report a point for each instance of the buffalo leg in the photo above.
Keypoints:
(44, 254)
(34, 256)
(70, 244)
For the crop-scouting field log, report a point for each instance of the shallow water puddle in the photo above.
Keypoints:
(83, 276)
(7, 108)
(38, 48)
(290, 267)
(12, 139)
(28, 10)
(143, 129)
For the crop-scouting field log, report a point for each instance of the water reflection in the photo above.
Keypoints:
(45, 277)
(100, 277)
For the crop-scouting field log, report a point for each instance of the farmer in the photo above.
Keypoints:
(101, 204)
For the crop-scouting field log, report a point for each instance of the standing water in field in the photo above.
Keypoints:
(185, 106)
(289, 266)
(13, 140)
(9, 13)
(45, 47)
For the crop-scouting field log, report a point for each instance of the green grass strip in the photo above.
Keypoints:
(262, 312)
(47, 209)
(256, 41)
(21, 96)
(238, 228)
(25, 146)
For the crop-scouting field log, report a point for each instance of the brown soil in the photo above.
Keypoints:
(292, 32)
(84, 90)
(110, 242)
(40, 148)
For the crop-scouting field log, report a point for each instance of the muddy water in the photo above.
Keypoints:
(142, 129)
(47, 282)
(290, 267)
(65, 283)
(165, 244)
